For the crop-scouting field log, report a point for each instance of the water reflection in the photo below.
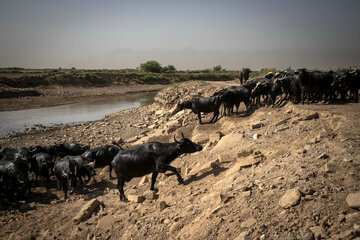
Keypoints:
(91, 110)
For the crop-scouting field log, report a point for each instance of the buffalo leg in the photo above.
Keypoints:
(172, 169)
(199, 116)
(110, 169)
(153, 180)
(120, 186)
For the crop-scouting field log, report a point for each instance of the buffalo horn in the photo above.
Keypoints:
(182, 135)
(175, 139)
(63, 172)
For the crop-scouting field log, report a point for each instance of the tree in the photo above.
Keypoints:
(170, 68)
(217, 68)
(151, 66)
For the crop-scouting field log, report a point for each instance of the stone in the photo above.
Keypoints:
(353, 218)
(330, 167)
(226, 158)
(243, 236)
(242, 163)
(353, 200)
(246, 194)
(248, 223)
(290, 198)
(24, 208)
(162, 205)
(173, 125)
(87, 210)
(318, 231)
(144, 180)
(307, 234)
(215, 137)
(257, 125)
(150, 194)
(244, 153)
(136, 198)
(106, 222)
(323, 156)
(256, 136)
(208, 167)
(311, 116)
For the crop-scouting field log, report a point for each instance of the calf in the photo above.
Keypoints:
(199, 104)
(66, 172)
(152, 157)
(101, 156)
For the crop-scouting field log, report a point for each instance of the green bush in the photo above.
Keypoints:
(151, 66)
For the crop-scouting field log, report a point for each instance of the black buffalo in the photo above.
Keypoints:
(66, 174)
(199, 104)
(42, 165)
(233, 96)
(101, 156)
(153, 157)
(86, 168)
(12, 181)
(244, 75)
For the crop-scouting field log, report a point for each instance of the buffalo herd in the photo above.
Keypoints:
(72, 162)
(274, 88)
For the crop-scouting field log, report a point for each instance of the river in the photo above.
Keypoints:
(91, 110)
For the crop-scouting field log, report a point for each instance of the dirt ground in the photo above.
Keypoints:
(284, 172)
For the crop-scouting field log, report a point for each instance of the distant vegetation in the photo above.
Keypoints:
(262, 72)
(150, 72)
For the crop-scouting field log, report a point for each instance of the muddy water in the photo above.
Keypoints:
(95, 109)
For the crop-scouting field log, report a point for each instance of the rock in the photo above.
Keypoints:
(244, 153)
(256, 136)
(87, 210)
(215, 137)
(323, 156)
(248, 223)
(173, 125)
(24, 208)
(330, 167)
(106, 222)
(209, 166)
(257, 125)
(353, 218)
(307, 234)
(162, 205)
(311, 116)
(353, 200)
(246, 194)
(150, 194)
(136, 198)
(242, 163)
(144, 180)
(290, 198)
(243, 236)
(226, 158)
(318, 231)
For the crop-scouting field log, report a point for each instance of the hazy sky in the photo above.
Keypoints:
(195, 34)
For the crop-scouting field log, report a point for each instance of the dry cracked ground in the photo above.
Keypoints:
(289, 172)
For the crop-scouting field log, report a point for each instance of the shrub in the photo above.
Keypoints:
(151, 66)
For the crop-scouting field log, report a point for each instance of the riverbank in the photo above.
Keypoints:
(271, 173)
(60, 95)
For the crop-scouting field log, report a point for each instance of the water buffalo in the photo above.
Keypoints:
(244, 75)
(199, 104)
(152, 157)
(66, 173)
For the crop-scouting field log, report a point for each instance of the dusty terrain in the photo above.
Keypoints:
(274, 173)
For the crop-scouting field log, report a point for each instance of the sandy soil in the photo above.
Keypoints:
(272, 173)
